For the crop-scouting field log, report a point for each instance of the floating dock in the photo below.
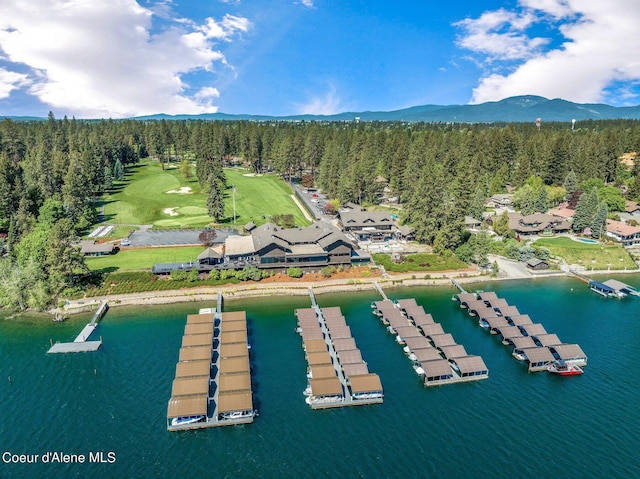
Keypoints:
(530, 341)
(212, 386)
(337, 374)
(82, 344)
(434, 354)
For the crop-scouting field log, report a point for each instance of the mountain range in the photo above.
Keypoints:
(525, 108)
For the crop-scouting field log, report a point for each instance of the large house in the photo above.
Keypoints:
(623, 233)
(537, 223)
(376, 226)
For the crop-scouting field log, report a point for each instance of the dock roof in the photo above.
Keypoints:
(488, 296)
(187, 406)
(190, 387)
(355, 369)
(509, 311)
(499, 303)
(320, 357)
(326, 387)
(418, 342)
(199, 328)
(234, 382)
(442, 340)
(195, 353)
(537, 355)
(228, 337)
(436, 368)
(407, 331)
(519, 319)
(422, 319)
(199, 318)
(568, 351)
(340, 332)
(350, 356)
(466, 297)
(365, 383)
(233, 316)
(233, 326)
(548, 339)
(534, 329)
(427, 354)
(233, 350)
(234, 365)
(309, 334)
(185, 369)
(306, 313)
(407, 303)
(470, 364)
(497, 322)
(429, 329)
(508, 332)
(189, 340)
(323, 371)
(344, 344)
(455, 351)
(332, 312)
(236, 401)
(523, 342)
(334, 322)
(315, 345)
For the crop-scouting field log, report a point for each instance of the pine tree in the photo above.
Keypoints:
(570, 183)
(542, 203)
(215, 201)
(585, 210)
(599, 220)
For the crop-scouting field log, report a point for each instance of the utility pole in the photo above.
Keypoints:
(233, 193)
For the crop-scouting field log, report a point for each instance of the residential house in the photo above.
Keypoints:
(375, 226)
(537, 264)
(631, 207)
(500, 201)
(623, 233)
(538, 223)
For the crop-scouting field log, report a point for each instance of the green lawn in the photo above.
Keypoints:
(420, 262)
(596, 256)
(143, 258)
(150, 195)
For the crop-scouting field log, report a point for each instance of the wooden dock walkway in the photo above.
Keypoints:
(381, 291)
(458, 285)
(82, 344)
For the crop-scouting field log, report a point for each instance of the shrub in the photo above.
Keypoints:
(327, 271)
(294, 272)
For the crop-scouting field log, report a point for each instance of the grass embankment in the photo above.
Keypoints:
(166, 199)
(420, 262)
(143, 258)
(591, 256)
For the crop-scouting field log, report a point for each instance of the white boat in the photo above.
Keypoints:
(564, 368)
(419, 371)
(519, 356)
(181, 421)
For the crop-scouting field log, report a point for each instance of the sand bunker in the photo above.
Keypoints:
(252, 174)
(171, 211)
(185, 190)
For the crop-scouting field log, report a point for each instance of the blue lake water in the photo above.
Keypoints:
(514, 424)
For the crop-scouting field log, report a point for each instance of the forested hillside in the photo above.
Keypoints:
(52, 172)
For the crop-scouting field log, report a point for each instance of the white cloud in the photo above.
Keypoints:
(599, 45)
(103, 59)
(326, 104)
(307, 3)
(10, 81)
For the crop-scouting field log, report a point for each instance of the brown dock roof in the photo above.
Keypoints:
(470, 364)
(509, 311)
(326, 387)
(569, 351)
(199, 318)
(331, 312)
(315, 345)
(522, 342)
(407, 303)
(185, 369)
(187, 406)
(190, 387)
(416, 310)
(234, 365)
(499, 303)
(429, 329)
(548, 339)
(436, 367)
(407, 331)
(323, 371)
(233, 350)
(466, 297)
(199, 328)
(311, 334)
(234, 382)
(335, 322)
(497, 322)
(195, 353)
(519, 319)
(236, 401)
(320, 357)
(340, 332)
(422, 319)
(350, 356)
(537, 355)
(533, 329)
(233, 326)
(473, 304)
(190, 340)
(384, 305)
(365, 383)
(397, 321)
(418, 342)
(455, 351)
(233, 316)
(355, 369)
(488, 296)
(304, 313)
(344, 344)
(442, 340)
(484, 312)
(427, 354)
(508, 332)
(228, 337)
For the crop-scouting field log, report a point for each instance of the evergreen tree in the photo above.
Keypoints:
(599, 220)
(542, 203)
(585, 211)
(118, 170)
(570, 183)
(215, 201)
(477, 204)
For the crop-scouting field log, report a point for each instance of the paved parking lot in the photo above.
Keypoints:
(175, 237)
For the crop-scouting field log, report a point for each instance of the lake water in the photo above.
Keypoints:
(514, 424)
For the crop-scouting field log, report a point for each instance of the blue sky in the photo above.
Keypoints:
(121, 58)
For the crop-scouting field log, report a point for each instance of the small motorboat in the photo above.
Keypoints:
(564, 368)
(180, 421)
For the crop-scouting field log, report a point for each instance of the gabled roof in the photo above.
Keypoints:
(621, 229)
(359, 219)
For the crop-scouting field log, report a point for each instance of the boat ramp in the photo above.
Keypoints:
(82, 344)
(434, 354)
(337, 374)
(212, 385)
(530, 341)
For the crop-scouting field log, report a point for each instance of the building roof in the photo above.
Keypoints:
(631, 206)
(195, 353)
(536, 223)
(548, 339)
(228, 326)
(187, 369)
(340, 332)
(470, 364)
(234, 382)
(236, 401)
(437, 367)
(426, 354)
(418, 342)
(228, 337)
(233, 350)
(407, 331)
(362, 219)
(523, 342)
(533, 329)
(442, 339)
(518, 319)
(187, 406)
(199, 318)
(210, 253)
(350, 356)
(320, 234)
(326, 387)
(561, 212)
(318, 357)
(453, 351)
(496, 322)
(568, 351)
(533, 262)
(234, 365)
(508, 332)
(238, 245)
(537, 355)
(189, 340)
(315, 345)
(621, 229)
(190, 386)
(91, 247)
(198, 328)
(323, 371)
(365, 383)
(488, 296)
(431, 329)
(344, 344)
(354, 369)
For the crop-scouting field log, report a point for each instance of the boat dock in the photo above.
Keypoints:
(82, 344)
(530, 341)
(611, 288)
(434, 354)
(337, 374)
(212, 385)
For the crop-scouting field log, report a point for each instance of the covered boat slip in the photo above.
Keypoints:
(332, 356)
(205, 358)
(428, 346)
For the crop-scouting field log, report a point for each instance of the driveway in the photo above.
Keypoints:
(508, 268)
